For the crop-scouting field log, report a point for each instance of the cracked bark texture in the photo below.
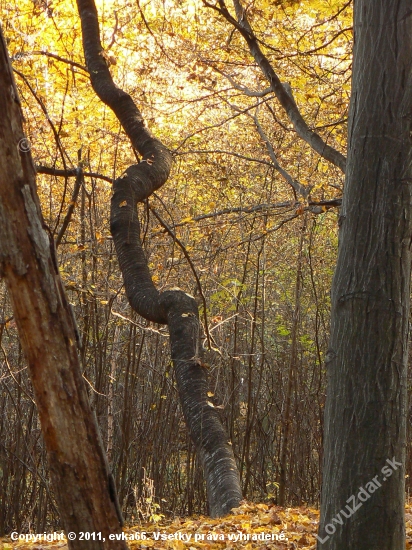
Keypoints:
(81, 480)
(174, 308)
(366, 406)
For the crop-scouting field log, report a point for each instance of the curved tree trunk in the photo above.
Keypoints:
(174, 308)
(81, 480)
(365, 415)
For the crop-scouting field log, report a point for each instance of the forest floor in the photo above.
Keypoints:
(251, 526)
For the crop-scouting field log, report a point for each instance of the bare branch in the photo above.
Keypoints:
(296, 186)
(236, 86)
(170, 231)
(70, 210)
(285, 99)
(52, 56)
(316, 207)
(222, 151)
(69, 173)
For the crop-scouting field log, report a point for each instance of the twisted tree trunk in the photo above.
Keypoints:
(174, 307)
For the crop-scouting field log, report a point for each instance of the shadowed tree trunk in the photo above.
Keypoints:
(82, 484)
(365, 415)
(291, 385)
(173, 307)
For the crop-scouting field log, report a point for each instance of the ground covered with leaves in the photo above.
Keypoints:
(250, 526)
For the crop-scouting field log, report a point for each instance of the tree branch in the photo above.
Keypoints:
(284, 98)
(69, 173)
(236, 86)
(296, 186)
(67, 219)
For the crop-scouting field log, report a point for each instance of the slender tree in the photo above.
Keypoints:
(82, 483)
(365, 416)
(173, 307)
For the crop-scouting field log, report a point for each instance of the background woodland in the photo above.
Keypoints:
(247, 224)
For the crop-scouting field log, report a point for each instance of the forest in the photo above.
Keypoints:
(180, 333)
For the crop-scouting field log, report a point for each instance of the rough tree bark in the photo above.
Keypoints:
(81, 480)
(173, 307)
(365, 415)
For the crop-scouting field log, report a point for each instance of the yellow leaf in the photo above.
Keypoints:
(123, 203)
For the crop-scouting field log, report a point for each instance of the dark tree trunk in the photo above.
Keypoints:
(80, 476)
(291, 385)
(366, 407)
(174, 308)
